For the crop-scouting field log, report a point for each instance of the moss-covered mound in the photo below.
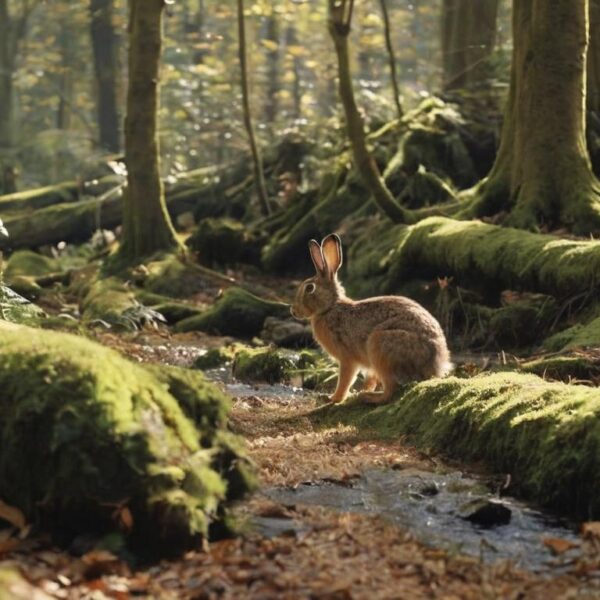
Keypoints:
(30, 264)
(566, 367)
(86, 434)
(580, 335)
(224, 242)
(237, 313)
(263, 364)
(480, 254)
(546, 435)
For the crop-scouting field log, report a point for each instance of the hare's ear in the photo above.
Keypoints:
(317, 257)
(332, 252)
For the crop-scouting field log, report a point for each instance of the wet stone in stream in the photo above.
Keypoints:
(514, 531)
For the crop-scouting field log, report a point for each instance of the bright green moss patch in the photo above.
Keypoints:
(84, 430)
(478, 253)
(546, 435)
(263, 364)
(237, 313)
(578, 336)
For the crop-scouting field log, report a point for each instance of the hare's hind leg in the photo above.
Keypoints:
(371, 381)
(389, 353)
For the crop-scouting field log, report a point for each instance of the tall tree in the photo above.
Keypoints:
(542, 172)
(105, 46)
(147, 227)
(340, 21)
(259, 177)
(468, 38)
(271, 41)
(13, 26)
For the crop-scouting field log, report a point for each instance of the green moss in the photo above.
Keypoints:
(107, 300)
(546, 435)
(82, 429)
(214, 358)
(26, 287)
(480, 254)
(237, 313)
(173, 277)
(564, 367)
(171, 310)
(581, 335)
(224, 242)
(29, 264)
(263, 364)
(39, 197)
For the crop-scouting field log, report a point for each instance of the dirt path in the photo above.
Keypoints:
(307, 552)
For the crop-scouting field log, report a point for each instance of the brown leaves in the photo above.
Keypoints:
(558, 545)
(13, 515)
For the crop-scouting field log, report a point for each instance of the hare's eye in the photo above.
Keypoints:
(310, 288)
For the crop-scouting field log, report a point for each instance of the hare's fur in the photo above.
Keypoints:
(392, 338)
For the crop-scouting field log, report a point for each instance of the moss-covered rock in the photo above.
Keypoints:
(173, 311)
(215, 358)
(83, 431)
(237, 313)
(224, 242)
(172, 276)
(263, 364)
(546, 435)
(29, 264)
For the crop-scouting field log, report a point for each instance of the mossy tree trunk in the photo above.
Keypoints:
(593, 61)
(147, 227)
(391, 58)
(468, 38)
(340, 20)
(105, 46)
(259, 177)
(542, 173)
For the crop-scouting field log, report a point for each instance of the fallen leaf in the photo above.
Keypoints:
(558, 545)
(13, 515)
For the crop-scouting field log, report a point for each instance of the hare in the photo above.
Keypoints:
(392, 338)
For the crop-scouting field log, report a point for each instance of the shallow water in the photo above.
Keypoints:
(428, 504)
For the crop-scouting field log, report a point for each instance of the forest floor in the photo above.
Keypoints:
(296, 550)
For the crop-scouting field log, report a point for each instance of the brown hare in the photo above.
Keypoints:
(392, 338)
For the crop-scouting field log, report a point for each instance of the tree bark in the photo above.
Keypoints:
(147, 227)
(468, 39)
(272, 105)
(391, 58)
(593, 61)
(259, 177)
(105, 46)
(542, 172)
(340, 19)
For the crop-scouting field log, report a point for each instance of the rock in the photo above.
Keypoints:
(486, 513)
(213, 359)
(263, 364)
(429, 488)
(84, 430)
(288, 333)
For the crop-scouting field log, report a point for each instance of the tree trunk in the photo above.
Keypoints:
(64, 84)
(391, 58)
(105, 46)
(340, 19)
(272, 38)
(593, 71)
(147, 227)
(259, 177)
(542, 171)
(468, 39)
